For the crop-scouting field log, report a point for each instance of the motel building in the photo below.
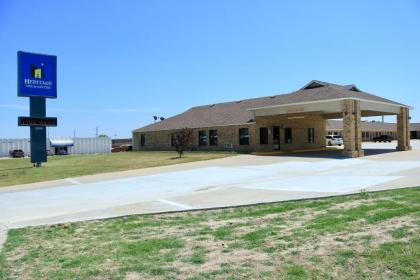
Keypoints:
(286, 122)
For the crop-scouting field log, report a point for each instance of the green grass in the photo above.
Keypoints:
(223, 232)
(20, 171)
(199, 256)
(367, 236)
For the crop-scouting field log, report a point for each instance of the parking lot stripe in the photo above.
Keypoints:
(73, 181)
(179, 205)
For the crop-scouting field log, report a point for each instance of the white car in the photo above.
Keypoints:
(334, 140)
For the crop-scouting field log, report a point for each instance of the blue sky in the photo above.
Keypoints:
(121, 62)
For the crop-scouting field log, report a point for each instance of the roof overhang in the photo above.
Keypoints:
(330, 108)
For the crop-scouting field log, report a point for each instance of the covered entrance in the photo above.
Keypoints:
(61, 146)
(349, 109)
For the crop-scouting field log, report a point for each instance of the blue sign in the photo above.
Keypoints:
(37, 75)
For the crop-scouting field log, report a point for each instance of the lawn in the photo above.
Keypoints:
(20, 171)
(362, 236)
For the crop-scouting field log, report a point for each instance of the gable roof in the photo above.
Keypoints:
(237, 112)
(316, 83)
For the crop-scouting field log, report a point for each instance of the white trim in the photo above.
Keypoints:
(328, 100)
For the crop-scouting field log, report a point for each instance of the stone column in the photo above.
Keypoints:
(403, 130)
(352, 129)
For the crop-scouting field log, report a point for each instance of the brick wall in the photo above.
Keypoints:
(229, 135)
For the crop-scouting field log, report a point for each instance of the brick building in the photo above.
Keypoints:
(296, 120)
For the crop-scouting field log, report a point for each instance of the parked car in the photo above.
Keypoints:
(62, 153)
(17, 153)
(116, 150)
(50, 153)
(383, 138)
(334, 140)
(126, 148)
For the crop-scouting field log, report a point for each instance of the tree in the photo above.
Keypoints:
(182, 139)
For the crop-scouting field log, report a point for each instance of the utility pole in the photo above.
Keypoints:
(97, 132)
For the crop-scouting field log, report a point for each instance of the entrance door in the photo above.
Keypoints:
(276, 137)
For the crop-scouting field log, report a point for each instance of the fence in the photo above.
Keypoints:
(80, 146)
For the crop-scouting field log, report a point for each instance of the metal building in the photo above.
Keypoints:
(59, 145)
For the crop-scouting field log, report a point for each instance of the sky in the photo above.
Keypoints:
(122, 62)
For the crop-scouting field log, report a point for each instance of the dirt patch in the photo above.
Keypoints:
(351, 204)
(380, 232)
(133, 276)
(326, 245)
(217, 254)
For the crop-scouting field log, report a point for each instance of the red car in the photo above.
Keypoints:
(116, 150)
(17, 153)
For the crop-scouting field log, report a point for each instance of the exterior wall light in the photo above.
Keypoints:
(295, 118)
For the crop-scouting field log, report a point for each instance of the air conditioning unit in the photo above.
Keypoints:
(228, 146)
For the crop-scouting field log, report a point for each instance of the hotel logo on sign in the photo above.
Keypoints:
(37, 75)
(37, 72)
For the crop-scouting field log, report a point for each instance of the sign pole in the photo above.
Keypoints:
(38, 133)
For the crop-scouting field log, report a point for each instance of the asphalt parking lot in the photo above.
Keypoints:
(244, 179)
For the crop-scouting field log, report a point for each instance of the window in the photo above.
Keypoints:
(213, 137)
(288, 135)
(263, 135)
(202, 138)
(173, 139)
(243, 136)
(142, 140)
(311, 135)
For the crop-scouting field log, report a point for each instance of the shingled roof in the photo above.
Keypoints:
(237, 112)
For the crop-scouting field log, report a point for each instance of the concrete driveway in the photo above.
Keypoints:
(244, 179)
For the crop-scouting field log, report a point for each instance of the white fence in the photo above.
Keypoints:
(6, 145)
(80, 146)
(91, 145)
